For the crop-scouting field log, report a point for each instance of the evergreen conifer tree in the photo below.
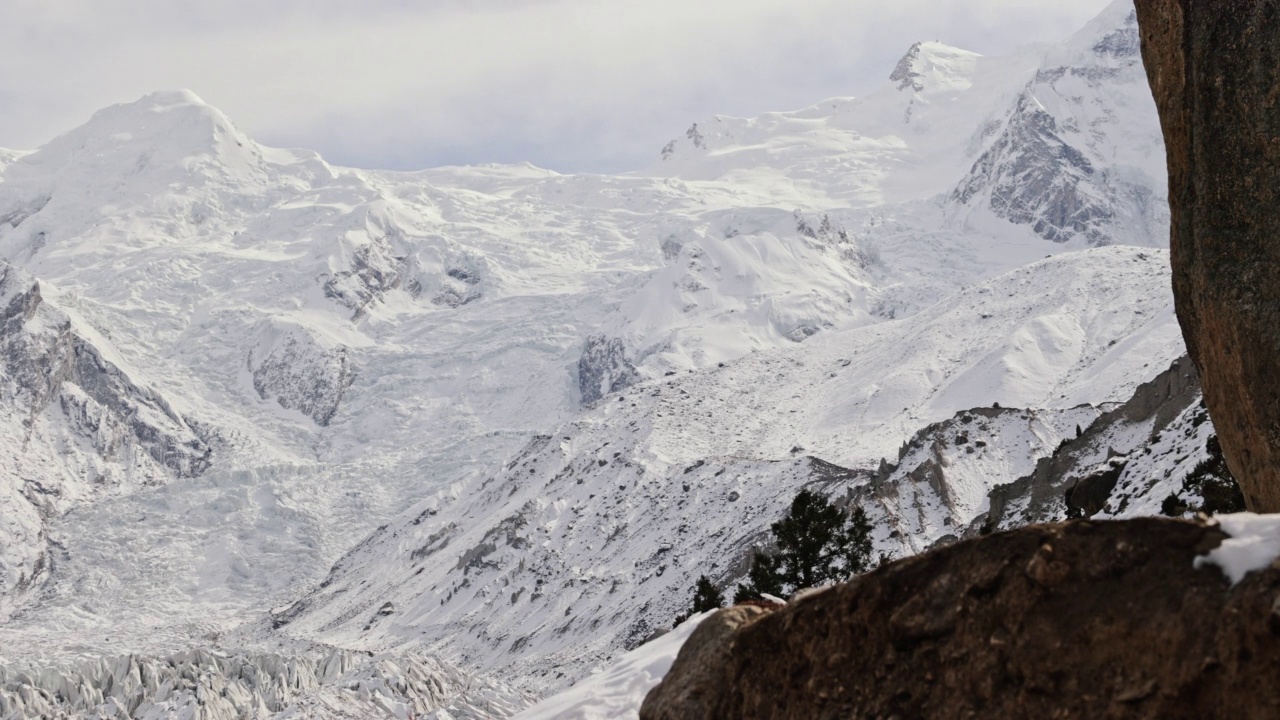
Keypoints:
(816, 544)
(706, 596)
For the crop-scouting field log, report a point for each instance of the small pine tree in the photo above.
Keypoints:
(1173, 506)
(706, 596)
(764, 577)
(816, 544)
(1212, 481)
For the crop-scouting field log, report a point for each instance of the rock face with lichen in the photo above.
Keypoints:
(1214, 68)
(1077, 619)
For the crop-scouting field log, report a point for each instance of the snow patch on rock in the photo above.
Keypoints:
(1254, 544)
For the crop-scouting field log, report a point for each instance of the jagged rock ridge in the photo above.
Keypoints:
(1056, 165)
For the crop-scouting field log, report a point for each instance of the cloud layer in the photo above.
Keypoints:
(575, 85)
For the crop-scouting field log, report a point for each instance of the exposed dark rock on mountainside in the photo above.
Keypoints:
(64, 387)
(1066, 475)
(1045, 169)
(1214, 68)
(604, 368)
(1077, 619)
(47, 360)
(301, 374)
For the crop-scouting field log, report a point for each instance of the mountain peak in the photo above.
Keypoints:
(169, 117)
(162, 138)
(169, 98)
(1110, 39)
(934, 66)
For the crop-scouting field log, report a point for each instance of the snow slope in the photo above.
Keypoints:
(479, 394)
(618, 691)
(590, 538)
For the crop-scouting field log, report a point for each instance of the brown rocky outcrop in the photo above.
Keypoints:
(685, 692)
(1071, 620)
(1214, 67)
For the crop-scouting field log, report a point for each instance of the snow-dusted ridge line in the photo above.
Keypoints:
(1069, 167)
(66, 392)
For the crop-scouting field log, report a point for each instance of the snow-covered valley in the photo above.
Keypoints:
(495, 420)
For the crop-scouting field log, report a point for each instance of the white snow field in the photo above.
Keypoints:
(616, 692)
(495, 419)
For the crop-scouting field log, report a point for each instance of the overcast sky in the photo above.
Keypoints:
(574, 85)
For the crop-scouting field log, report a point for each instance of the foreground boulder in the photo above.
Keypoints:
(1214, 67)
(1070, 620)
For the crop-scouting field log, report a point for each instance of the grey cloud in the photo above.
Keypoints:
(569, 84)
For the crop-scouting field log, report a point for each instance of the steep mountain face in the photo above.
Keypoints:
(1075, 157)
(77, 427)
(933, 66)
(507, 416)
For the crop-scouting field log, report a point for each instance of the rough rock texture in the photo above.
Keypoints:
(372, 271)
(711, 645)
(905, 73)
(1080, 619)
(301, 373)
(1214, 67)
(43, 358)
(941, 485)
(1037, 178)
(1043, 495)
(604, 368)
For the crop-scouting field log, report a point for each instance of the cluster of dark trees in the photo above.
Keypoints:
(815, 544)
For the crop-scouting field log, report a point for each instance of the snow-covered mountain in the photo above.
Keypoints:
(505, 416)
(1073, 157)
(589, 539)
